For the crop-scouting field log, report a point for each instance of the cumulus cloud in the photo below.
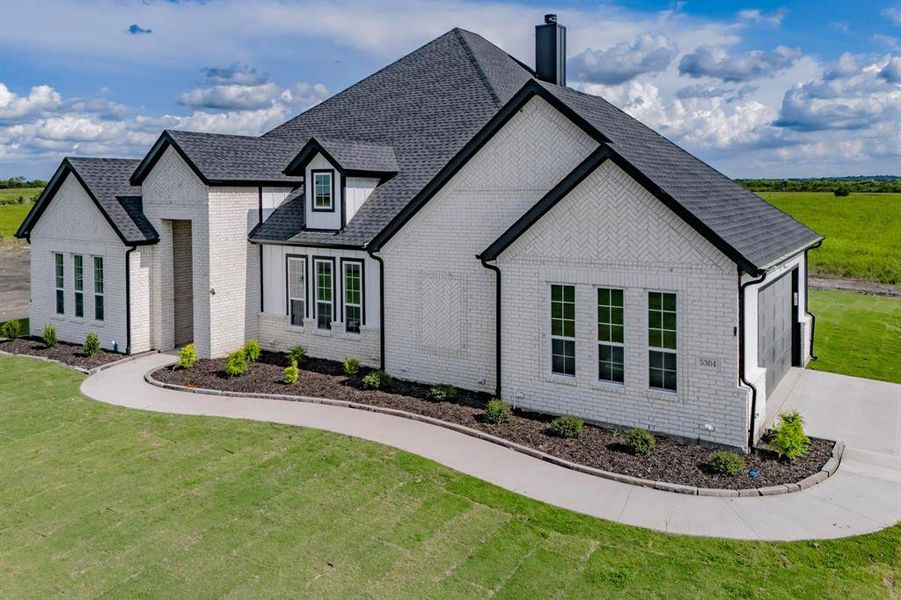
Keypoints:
(135, 29)
(647, 53)
(236, 73)
(891, 72)
(716, 62)
(756, 15)
(707, 91)
(241, 87)
(13, 106)
(844, 67)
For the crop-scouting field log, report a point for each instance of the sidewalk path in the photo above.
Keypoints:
(863, 496)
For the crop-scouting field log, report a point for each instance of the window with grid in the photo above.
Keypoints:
(322, 191)
(60, 283)
(611, 361)
(324, 291)
(78, 263)
(297, 291)
(98, 288)
(563, 329)
(662, 341)
(353, 296)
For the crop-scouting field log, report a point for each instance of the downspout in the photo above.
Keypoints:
(813, 317)
(260, 221)
(741, 352)
(381, 307)
(128, 299)
(497, 325)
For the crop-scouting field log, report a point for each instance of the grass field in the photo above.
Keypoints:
(863, 232)
(857, 334)
(105, 501)
(11, 216)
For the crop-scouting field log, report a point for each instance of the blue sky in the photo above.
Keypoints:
(758, 89)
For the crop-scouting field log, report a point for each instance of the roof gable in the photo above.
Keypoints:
(351, 157)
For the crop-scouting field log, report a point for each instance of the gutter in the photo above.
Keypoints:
(381, 307)
(497, 325)
(128, 299)
(741, 352)
(813, 317)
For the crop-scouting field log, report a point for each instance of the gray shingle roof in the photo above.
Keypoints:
(354, 155)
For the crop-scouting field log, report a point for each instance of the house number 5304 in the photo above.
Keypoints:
(708, 362)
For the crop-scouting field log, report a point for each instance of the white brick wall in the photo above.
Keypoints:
(439, 304)
(72, 224)
(140, 261)
(610, 232)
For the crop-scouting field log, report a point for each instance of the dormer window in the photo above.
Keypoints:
(323, 191)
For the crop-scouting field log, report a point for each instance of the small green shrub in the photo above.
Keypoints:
(566, 426)
(496, 411)
(351, 366)
(236, 363)
(726, 463)
(187, 357)
(251, 351)
(788, 439)
(292, 373)
(378, 380)
(11, 329)
(639, 441)
(91, 345)
(48, 334)
(297, 354)
(442, 393)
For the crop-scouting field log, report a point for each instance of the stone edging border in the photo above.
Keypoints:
(126, 358)
(826, 471)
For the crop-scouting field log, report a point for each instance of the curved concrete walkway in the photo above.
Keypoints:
(861, 497)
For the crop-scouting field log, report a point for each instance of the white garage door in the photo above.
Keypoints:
(774, 330)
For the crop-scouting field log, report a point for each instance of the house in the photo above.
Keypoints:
(456, 217)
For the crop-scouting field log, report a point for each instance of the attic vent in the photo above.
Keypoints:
(550, 51)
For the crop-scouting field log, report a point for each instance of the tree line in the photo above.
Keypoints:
(840, 186)
(14, 183)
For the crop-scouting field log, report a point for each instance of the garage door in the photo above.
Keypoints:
(774, 330)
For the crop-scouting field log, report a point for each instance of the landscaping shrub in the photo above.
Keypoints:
(297, 354)
(496, 411)
(91, 345)
(48, 334)
(251, 351)
(442, 393)
(566, 426)
(726, 463)
(11, 329)
(377, 380)
(351, 366)
(292, 373)
(639, 441)
(236, 363)
(187, 357)
(788, 439)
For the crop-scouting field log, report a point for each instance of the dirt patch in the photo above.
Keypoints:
(596, 447)
(69, 354)
(828, 282)
(15, 279)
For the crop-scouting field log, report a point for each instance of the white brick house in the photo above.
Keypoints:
(455, 218)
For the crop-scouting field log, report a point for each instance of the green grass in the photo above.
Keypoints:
(863, 232)
(857, 334)
(11, 216)
(98, 500)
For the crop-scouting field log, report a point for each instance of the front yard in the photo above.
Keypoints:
(98, 500)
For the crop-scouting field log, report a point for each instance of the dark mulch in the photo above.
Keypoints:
(597, 447)
(70, 354)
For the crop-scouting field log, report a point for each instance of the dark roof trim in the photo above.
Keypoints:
(298, 165)
(263, 242)
(165, 140)
(65, 168)
(530, 89)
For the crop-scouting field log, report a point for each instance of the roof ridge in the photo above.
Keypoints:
(483, 77)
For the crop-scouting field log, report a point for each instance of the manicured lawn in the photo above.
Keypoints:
(863, 232)
(98, 500)
(857, 334)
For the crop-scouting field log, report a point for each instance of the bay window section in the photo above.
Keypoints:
(662, 357)
(297, 290)
(78, 263)
(563, 330)
(611, 360)
(324, 293)
(98, 288)
(353, 296)
(60, 274)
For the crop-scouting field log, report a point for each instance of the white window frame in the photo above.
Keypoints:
(314, 174)
(562, 337)
(59, 282)
(674, 352)
(610, 323)
(317, 262)
(358, 264)
(99, 288)
(301, 260)
(78, 284)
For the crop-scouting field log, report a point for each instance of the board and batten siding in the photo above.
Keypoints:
(272, 198)
(275, 330)
(317, 219)
(610, 232)
(439, 299)
(357, 189)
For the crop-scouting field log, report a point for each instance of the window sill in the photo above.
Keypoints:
(569, 380)
(323, 332)
(657, 394)
(613, 386)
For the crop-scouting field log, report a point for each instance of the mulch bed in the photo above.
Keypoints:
(69, 354)
(596, 447)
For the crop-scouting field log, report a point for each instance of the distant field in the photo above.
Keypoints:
(11, 216)
(863, 232)
(28, 194)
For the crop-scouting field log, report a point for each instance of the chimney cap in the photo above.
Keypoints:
(550, 19)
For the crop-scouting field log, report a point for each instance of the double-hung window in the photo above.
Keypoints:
(98, 288)
(78, 263)
(563, 329)
(322, 190)
(353, 296)
(610, 335)
(324, 293)
(60, 283)
(297, 290)
(662, 361)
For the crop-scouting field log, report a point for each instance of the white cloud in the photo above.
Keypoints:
(647, 53)
(716, 62)
(13, 106)
(892, 14)
(755, 15)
